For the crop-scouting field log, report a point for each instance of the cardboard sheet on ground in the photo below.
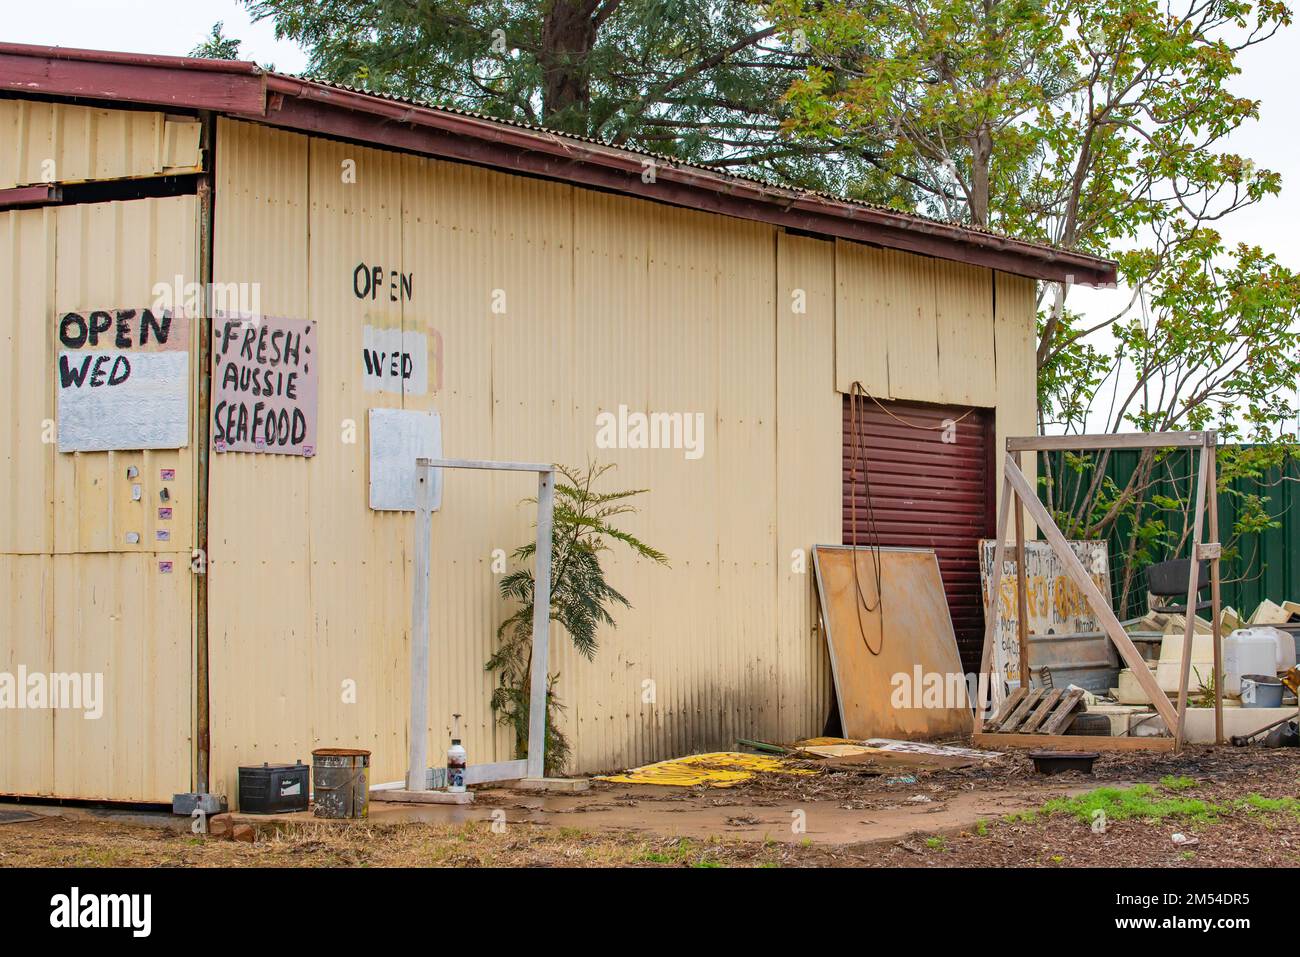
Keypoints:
(718, 769)
(884, 753)
(915, 686)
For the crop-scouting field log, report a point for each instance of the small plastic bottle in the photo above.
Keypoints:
(456, 759)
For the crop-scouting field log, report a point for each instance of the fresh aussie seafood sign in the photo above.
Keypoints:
(123, 380)
(264, 374)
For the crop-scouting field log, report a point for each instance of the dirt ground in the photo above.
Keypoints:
(1232, 807)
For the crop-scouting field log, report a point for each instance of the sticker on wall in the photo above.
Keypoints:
(167, 475)
(165, 568)
(164, 514)
(397, 438)
(123, 380)
(264, 383)
(163, 535)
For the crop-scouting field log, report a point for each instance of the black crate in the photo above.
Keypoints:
(273, 788)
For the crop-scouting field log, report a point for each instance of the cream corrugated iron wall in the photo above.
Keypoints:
(75, 596)
(953, 333)
(59, 143)
(608, 301)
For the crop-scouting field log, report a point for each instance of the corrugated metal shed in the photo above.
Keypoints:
(613, 297)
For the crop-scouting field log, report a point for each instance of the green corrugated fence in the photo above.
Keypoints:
(1266, 563)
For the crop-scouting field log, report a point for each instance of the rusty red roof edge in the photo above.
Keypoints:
(243, 90)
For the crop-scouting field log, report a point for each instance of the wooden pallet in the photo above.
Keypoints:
(1042, 711)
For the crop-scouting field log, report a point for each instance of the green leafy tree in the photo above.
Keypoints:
(700, 80)
(217, 46)
(1094, 125)
(1097, 126)
(581, 598)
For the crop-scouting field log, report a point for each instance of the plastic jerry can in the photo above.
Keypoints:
(1248, 651)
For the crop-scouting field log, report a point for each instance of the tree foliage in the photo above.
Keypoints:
(581, 597)
(1098, 126)
(700, 80)
(217, 46)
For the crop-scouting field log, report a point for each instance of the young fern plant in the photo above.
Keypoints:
(581, 598)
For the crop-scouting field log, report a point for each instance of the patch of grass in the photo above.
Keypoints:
(1141, 802)
(936, 843)
(981, 828)
(1262, 805)
(1171, 783)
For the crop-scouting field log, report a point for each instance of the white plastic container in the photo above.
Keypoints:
(1285, 650)
(1170, 668)
(1248, 651)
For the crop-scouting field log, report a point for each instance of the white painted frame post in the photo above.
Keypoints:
(541, 627)
(417, 774)
(417, 767)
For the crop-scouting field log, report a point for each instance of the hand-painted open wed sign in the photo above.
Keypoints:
(123, 380)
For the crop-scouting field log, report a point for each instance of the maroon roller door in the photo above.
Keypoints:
(926, 493)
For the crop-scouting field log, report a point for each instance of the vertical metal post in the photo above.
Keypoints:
(417, 769)
(541, 626)
(202, 325)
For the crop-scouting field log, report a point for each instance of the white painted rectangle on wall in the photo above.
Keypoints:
(122, 400)
(394, 360)
(397, 438)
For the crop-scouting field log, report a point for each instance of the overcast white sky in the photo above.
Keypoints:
(145, 26)
(175, 26)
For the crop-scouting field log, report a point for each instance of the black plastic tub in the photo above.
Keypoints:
(1058, 762)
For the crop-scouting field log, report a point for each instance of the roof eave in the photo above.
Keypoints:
(242, 90)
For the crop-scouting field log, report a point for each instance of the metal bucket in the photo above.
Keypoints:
(340, 782)
(1261, 691)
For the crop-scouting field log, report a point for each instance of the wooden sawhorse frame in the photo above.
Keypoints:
(1017, 487)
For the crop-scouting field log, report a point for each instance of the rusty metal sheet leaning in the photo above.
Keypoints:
(896, 667)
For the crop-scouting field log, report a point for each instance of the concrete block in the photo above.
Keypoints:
(1199, 726)
(423, 797)
(558, 785)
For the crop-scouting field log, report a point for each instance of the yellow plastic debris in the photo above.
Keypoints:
(718, 769)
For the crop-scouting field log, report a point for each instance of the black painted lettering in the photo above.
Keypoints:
(123, 338)
(70, 375)
(100, 322)
(73, 331)
(162, 330)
